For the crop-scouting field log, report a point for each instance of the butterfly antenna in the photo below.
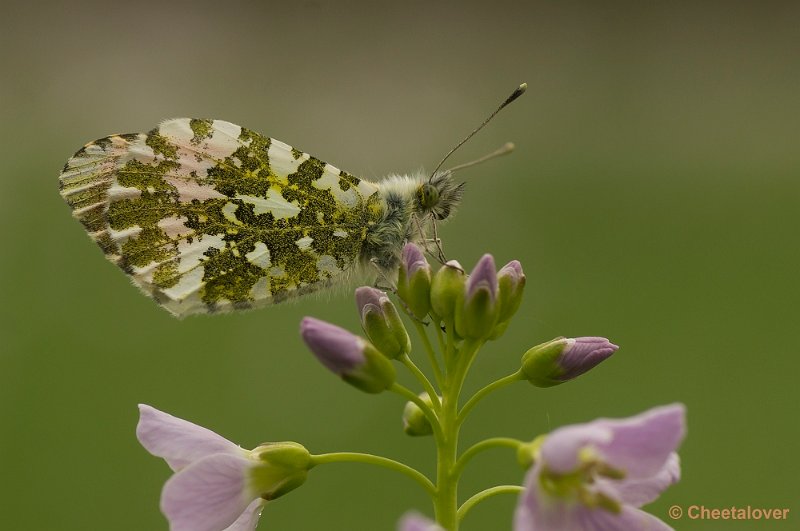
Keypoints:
(507, 148)
(520, 90)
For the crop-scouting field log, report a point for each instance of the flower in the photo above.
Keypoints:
(217, 485)
(414, 281)
(352, 358)
(476, 317)
(595, 476)
(563, 359)
(382, 323)
(416, 522)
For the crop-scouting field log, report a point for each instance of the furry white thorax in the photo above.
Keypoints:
(401, 185)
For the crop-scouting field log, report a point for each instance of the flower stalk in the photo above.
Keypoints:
(466, 311)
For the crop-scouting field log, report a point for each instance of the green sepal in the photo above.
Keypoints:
(415, 291)
(385, 329)
(509, 297)
(447, 290)
(540, 363)
(415, 422)
(376, 374)
(476, 317)
(281, 468)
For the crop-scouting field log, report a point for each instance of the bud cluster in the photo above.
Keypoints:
(478, 306)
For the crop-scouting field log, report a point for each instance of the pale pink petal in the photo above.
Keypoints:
(208, 495)
(416, 522)
(638, 492)
(639, 445)
(178, 441)
(249, 518)
(642, 444)
(628, 519)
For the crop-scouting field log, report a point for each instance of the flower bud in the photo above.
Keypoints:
(447, 289)
(414, 281)
(477, 315)
(283, 466)
(415, 423)
(563, 359)
(382, 323)
(347, 355)
(511, 284)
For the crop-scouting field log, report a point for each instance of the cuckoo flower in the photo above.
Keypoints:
(595, 476)
(217, 485)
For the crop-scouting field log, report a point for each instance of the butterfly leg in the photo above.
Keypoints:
(381, 277)
(439, 254)
(442, 258)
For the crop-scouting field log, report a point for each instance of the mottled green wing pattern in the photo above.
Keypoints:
(205, 215)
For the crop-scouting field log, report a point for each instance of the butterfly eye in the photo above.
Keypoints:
(428, 196)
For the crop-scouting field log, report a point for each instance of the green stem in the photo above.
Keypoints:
(486, 494)
(480, 395)
(432, 417)
(449, 353)
(472, 451)
(440, 336)
(385, 462)
(437, 370)
(405, 360)
(446, 500)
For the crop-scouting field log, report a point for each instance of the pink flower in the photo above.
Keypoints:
(595, 476)
(217, 485)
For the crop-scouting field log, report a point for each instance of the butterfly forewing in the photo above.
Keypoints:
(205, 215)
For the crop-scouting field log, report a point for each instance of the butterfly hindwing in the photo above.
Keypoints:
(205, 215)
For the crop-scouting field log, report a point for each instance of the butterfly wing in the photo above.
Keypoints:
(205, 215)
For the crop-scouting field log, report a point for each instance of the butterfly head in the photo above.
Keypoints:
(440, 195)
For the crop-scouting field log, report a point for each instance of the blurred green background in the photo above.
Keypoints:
(653, 199)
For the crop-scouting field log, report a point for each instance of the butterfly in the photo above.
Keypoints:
(208, 216)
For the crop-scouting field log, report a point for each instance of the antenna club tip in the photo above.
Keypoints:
(509, 147)
(520, 90)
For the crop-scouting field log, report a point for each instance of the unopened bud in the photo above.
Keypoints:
(415, 422)
(382, 323)
(511, 284)
(477, 316)
(563, 359)
(353, 358)
(414, 281)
